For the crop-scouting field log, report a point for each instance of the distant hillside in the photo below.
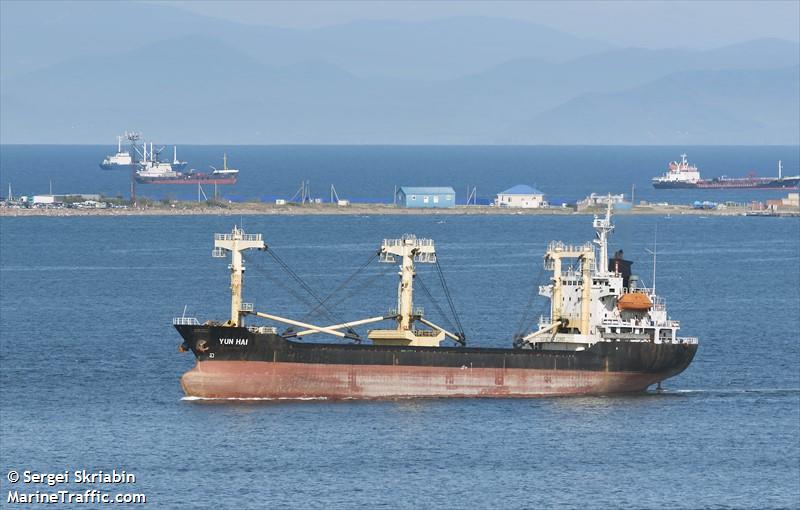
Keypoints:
(199, 89)
(751, 107)
(514, 91)
(35, 35)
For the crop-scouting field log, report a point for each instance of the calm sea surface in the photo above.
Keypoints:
(89, 367)
(369, 173)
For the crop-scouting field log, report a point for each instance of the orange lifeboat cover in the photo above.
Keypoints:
(635, 301)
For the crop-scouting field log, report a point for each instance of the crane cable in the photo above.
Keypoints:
(342, 286)
(360, 288)
(289, 289)
(330, 313)
(450, 302)
(427, 292)
(524, 321)
(262, 271)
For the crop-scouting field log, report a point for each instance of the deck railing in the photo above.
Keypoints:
(425, 332)
(244, 237)
(640, 323)
(418, 241)
(659, 303)
(263, 329)
(185, 321)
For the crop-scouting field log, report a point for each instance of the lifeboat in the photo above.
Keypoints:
(634, 301)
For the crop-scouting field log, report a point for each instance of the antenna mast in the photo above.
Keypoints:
(655, 256)
(603, 227)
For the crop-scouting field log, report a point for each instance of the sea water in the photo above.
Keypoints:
(371, 173)
(89, 367)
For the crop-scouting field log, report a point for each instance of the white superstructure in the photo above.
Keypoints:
(593, 300)
(151, 167)
(123, 159)
(682, 172)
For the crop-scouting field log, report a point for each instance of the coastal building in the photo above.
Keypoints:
(426, 197)
(45, 199)
(521, 196)
(597, 200)
(792, 201)
(57, 199)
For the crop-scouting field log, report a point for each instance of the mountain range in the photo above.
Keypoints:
(448, 81)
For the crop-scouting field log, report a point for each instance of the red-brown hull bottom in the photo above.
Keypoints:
(187, 181)
(269, 380)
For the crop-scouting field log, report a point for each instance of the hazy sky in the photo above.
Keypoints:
(646, 23)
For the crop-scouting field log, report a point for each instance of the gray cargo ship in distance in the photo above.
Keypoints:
(604, 334)
(153, 171)
(131, 158)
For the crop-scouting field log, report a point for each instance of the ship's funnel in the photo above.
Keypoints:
(621, 266)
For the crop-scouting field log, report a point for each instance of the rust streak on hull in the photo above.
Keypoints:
(258, 379)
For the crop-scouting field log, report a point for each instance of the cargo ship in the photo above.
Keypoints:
(682, 175)
(605, 334)
(153, 171)
(123, 159)
(130, 159)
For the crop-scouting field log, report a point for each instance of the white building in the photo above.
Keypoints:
(598, 200)
(44, 199)
(521, 196)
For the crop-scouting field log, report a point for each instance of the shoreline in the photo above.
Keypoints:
(193, 209)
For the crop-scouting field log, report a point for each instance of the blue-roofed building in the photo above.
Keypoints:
(425, 197)
(522, 196)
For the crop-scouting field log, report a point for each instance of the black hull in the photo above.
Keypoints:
(790, 183)
(225, 344)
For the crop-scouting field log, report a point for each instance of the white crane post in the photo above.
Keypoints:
(586, 265)
(555, 302)
(236, 242)
(405, 291)
(411, 250)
